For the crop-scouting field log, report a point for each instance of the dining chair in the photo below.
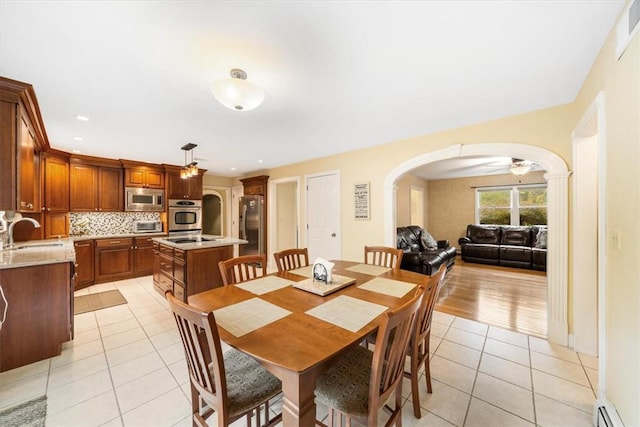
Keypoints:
(242, 268)
(361, 381)
(290, 259)
(230, 384)
(419, 343)
(383, 256)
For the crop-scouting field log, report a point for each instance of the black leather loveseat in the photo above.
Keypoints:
(422, 253)
(509, 246)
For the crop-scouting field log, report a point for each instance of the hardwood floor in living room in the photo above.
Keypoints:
(510, 298)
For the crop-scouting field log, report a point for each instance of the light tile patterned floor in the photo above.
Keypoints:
(126, 368)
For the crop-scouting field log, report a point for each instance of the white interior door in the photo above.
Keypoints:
(323, 216)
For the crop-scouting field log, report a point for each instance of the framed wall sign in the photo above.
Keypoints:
(361, 199)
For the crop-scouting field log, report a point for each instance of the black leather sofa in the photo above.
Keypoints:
(422, 253)
(509, 246)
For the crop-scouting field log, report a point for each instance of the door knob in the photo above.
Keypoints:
(333, 234)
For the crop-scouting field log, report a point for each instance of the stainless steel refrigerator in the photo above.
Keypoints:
(252, 225)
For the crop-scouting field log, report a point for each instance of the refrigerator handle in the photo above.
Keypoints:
(243, 222)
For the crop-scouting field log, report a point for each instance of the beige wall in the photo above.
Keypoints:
(554, 135)
(620, 82)
(452, 202)
(286, 216)
(403, 200)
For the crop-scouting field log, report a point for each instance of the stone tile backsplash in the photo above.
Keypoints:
(107, 223)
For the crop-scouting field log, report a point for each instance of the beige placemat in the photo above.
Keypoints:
(320, 288)
(264, 284)
(303, 271)
(395, 288)
(247, 316)
(347, 312)
(372, 270)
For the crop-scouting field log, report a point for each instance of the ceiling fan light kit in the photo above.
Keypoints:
(237, 93)
(520, 169)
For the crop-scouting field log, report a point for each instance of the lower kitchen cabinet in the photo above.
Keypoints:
(142, 256)
(39, 315)
(84, 263)
(114, 259)
(188, 272)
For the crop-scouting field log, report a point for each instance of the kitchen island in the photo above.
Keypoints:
(187, 265)
(37, 280)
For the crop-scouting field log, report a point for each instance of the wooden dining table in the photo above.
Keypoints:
(298, 347)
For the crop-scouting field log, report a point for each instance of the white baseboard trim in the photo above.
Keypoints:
(610, 410)
(572, 341)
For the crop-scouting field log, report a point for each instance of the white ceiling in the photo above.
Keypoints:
(338, 76)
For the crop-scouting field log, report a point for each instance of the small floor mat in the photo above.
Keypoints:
(31, 414)
(92, 302)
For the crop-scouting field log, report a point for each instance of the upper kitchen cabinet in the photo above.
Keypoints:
(142, 175)
(255, 186)
(56, 182)
(96, 185)
(183, 188)
(22, 139)
(55, 192)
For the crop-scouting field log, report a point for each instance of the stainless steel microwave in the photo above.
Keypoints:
(143, 199)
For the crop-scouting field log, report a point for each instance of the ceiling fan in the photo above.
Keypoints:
(516, 167)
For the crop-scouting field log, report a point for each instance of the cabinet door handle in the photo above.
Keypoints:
(114, 242)
(82, 245)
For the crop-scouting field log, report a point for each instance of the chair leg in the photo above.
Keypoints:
(415, 393)
(427, 372)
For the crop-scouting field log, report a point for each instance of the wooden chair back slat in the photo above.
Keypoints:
(243, 268)
(290, 259)
(383, 256)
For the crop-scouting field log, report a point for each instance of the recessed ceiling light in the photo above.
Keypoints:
(78, 138)
(83, 118)
(233, 169)
(259, 161)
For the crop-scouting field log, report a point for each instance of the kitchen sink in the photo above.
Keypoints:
(189, 239)
(37, 246)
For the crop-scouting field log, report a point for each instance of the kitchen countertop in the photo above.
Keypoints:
(81, 237)
(216, 241)
(38, 252)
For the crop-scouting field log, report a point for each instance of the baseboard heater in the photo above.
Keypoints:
(604, 418)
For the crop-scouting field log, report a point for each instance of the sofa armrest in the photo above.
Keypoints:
(443, 244)
(464, 241)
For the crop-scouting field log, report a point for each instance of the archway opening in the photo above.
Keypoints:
(212, 214)
(557, 195)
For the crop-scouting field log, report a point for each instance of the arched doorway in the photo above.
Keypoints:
(557, 207)
(212, 214)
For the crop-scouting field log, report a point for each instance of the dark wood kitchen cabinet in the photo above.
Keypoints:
(96, 185)
(143, 175)
(55, 191)
(28, 168)
(22, 139)
(113, 259)
(183, 188)
(142, 256)
(85, 260)
(188, 272)
(40, 315)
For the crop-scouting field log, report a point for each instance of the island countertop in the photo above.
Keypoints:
(38, 252)
(203, 241)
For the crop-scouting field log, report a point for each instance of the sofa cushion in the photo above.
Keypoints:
(541, 239)
(516, 236)
(428, 241)
(484, 234)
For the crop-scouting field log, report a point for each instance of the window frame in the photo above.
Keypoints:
(514, 196)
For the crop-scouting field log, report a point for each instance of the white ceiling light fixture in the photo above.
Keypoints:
(237, 93)
(520, 167)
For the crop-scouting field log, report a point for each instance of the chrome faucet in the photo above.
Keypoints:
(35, 223)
